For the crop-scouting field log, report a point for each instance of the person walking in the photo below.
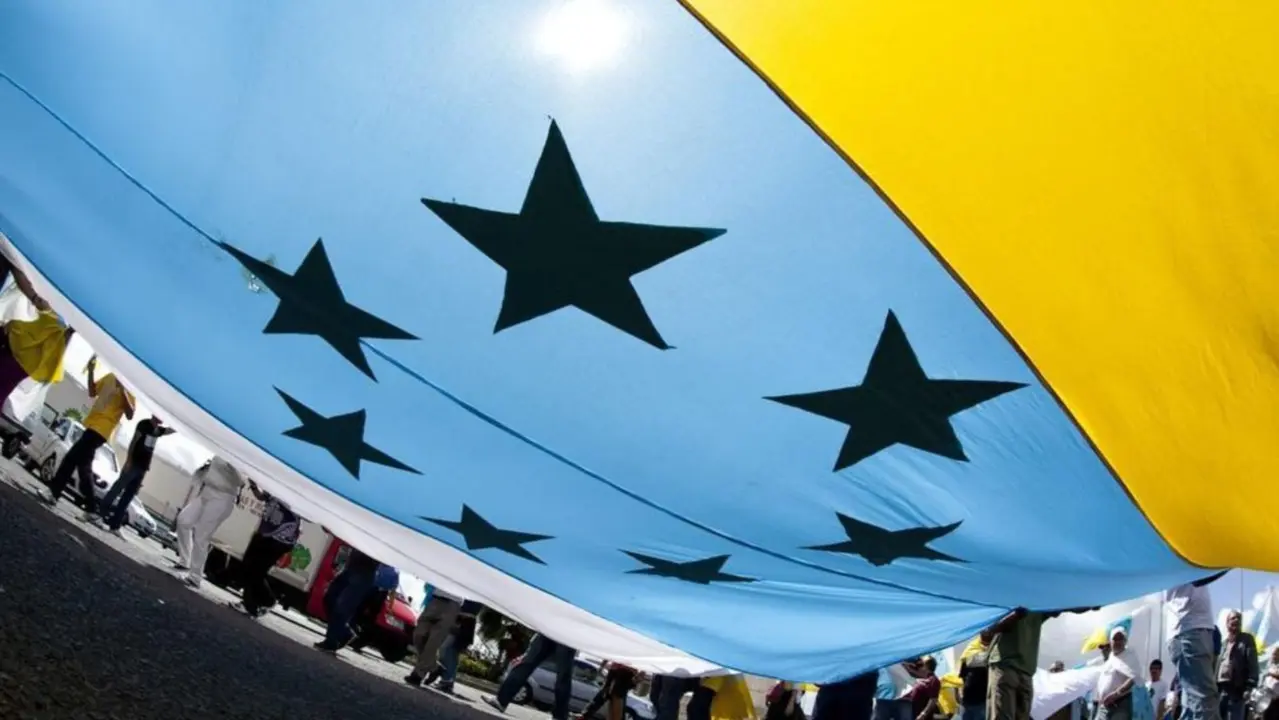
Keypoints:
(450, 654)
(1188, 617)
(1237, 668)
(115, 506)
(278, 532)
(217, 485)
(619, 680)
(111, 402)
(539, 651)
(345, 596)
(434, 625)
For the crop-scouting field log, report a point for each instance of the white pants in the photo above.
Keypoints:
(196, 524)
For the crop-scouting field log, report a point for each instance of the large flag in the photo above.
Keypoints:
(790, 336)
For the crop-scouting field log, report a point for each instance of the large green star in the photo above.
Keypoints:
(312, 303)
(341, 435)
(480, 534)
(881, 547)
(702, 572)
(897, 403)
(557, 253)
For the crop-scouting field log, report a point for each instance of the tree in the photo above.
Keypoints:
(74, 414)
(510, 637)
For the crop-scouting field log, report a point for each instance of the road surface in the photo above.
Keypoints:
(98, 626)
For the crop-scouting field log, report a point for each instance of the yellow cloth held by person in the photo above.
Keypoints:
(1095, 640)
(948, 698)
(732, 698)
(38, 345)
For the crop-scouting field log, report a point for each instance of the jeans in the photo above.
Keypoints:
(79, 458)
(851, 699)
(667, 693)
(893, 710)
(449, 655)
(342, 602)
(1121, 710)
(1191, 653)
(1234, 704)
(115, 506)
(618, 683)
(539, 651)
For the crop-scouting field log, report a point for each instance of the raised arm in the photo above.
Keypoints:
(1210, 579)
(257, 491)
(93, 382)
(1008, 620)
(24, 285)
(128, 402)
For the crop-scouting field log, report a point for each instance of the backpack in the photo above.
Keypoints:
(386, 578)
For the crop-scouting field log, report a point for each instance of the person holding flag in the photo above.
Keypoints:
(111, 402)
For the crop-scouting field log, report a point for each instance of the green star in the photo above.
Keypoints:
(312, 303)
(341, 435)
(881, 547)
(480, 534)
(558, 253)
(897, 403)
(702, 572)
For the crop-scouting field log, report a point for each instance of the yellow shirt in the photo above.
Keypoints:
(109, 406)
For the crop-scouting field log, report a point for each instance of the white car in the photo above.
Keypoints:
(45, 453)
(587, 681)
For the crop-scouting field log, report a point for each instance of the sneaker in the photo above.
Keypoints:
(192, 582)
(493, 703)
(413, 679)
(446, 688)
(325, 648)
(118, 532)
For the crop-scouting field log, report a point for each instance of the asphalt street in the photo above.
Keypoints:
(97, 626)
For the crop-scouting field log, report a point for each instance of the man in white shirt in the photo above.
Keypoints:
(1188, 611)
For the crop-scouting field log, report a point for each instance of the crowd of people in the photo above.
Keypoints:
(1216, 676)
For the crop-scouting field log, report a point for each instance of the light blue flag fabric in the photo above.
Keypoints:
(661, 376)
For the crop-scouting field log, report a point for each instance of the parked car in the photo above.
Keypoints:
(50, 439)
(14, 436)
(587, 681)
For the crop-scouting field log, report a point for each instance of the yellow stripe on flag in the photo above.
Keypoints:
(1105, 177)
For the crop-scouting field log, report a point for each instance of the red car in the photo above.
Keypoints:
(390, 633)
